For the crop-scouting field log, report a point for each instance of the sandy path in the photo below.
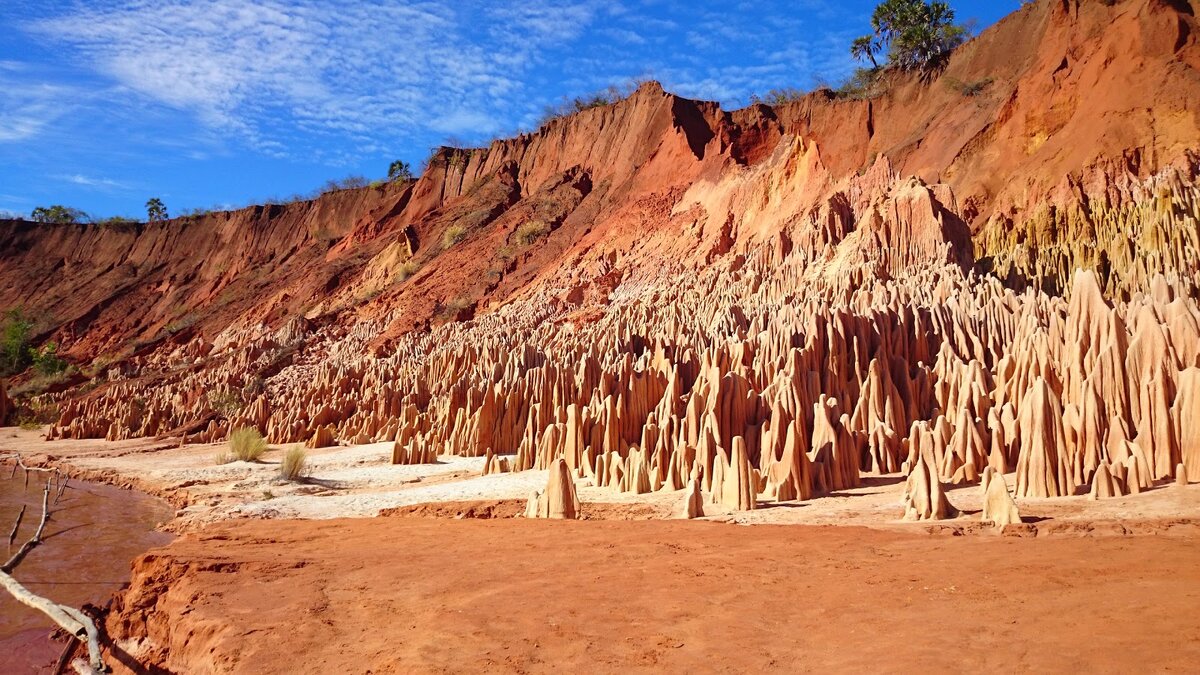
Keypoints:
(404, 595)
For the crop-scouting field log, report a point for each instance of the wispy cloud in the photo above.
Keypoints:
(266, 70)
(26, 109)
(286, 77)
(98, 183)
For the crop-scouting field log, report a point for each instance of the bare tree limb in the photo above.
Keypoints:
(21, 463)
(36, 539)
(65, 657)
(96, 660)
(16, 526)
(70, 619)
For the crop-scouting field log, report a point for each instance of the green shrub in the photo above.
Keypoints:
(247, 444)
(116, 220)
(347, 183)
(599, 99)
(451, 309)
(223, 458)
(294, 465)
(46, 360)
(969, 89)
(459, 303)
(181, 324)
(453, 235)
(15, 355)
(777, 97)
(59, 214)
(530, 232)
(864, 83)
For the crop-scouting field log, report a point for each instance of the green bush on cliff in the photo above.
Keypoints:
(46, 359)
(156, 211)
(347, 183)
(864, 83)
(599, 99)
(777, 97)
(59, 214)
(115, 221)
(15, 353)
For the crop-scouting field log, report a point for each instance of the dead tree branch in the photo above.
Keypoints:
(70, 619)
(16, 526)
(33, 541)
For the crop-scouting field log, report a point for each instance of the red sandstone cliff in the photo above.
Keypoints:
(1080, 139)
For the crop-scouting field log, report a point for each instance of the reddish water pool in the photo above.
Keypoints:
(93, 534)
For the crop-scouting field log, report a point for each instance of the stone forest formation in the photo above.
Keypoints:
(993, 294)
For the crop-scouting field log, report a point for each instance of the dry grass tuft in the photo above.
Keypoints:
(453, 235)
(531, 232)
(295, 464)
(247, 444)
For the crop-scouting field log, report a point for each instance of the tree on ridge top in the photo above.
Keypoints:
(155, 210)
(917, 33)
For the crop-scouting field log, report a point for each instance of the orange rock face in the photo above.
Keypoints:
(763, 304)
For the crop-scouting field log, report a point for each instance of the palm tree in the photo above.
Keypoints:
(400, 171)
(155, 210)
(917, 33)
(865, 47)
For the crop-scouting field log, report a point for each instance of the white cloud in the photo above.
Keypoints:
(265, 70)
(286, 76)
(27, 109)
(100, 183)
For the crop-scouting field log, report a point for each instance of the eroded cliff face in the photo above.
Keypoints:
(638, 286)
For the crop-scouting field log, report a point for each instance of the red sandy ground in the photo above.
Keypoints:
(435, 595)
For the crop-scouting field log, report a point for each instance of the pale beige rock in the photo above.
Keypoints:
(693, 500)
(560, 498)
(924, 497)
(1103, 484)
(1044, 465)
(999, 508)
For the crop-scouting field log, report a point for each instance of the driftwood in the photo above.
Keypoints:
(26, 468)
(33, 541)
(16, 526)
(69, 619)
(63, 659)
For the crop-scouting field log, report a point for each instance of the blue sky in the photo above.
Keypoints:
(218, 103)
